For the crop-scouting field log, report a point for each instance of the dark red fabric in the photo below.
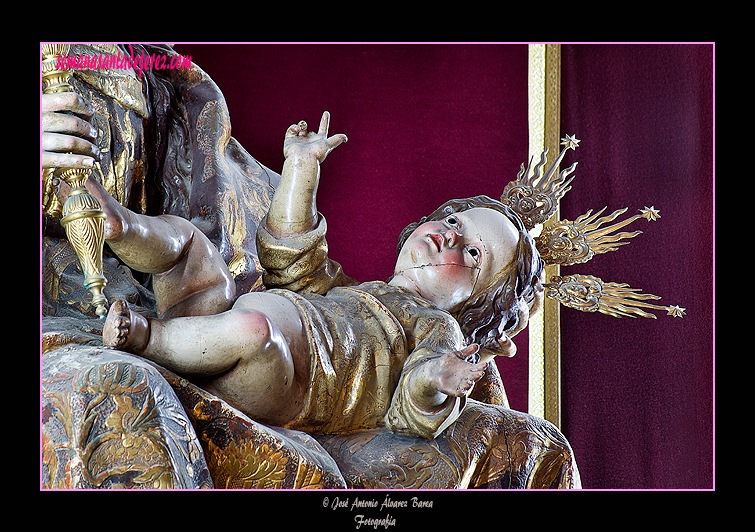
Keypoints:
(427, 123)
(637, 393)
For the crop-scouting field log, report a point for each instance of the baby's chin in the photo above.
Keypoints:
(443, 293)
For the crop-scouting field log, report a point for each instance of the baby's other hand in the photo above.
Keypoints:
(454, 374)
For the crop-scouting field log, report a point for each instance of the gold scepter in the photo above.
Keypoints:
(82, 217)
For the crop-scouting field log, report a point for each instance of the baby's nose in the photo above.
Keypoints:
(451, 237)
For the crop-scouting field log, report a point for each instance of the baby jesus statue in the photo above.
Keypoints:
(316, 351)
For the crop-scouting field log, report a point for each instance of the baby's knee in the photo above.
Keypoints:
(251, 326)
(265, 353)
(258, 337)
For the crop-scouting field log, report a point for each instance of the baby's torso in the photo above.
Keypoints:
(361, 339)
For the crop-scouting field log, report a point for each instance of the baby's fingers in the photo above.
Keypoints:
(336, 140)
(468, 381)
(294, 130)
(469, 353)
(324, 124)
(506, 347)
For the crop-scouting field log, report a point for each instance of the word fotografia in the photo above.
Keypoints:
(139, 63)
(384, 522)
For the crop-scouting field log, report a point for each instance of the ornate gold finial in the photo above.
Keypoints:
(592, 294)
(53, 78)
(534, 196)
(83, 218)
(566, 243)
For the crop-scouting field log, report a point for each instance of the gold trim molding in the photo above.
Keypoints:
(544, 118)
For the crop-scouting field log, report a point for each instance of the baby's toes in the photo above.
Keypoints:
(116, 328)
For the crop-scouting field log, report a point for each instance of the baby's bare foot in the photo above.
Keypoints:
(117, 324)
(124, 329)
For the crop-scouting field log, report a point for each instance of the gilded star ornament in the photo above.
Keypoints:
(650, 213)
(570, 142)
(676, 311)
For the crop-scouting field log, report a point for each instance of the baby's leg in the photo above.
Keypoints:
(240, 355)
(190, 277)
(198, 282)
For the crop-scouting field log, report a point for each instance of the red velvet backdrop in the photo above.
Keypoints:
(427, 123)
(638, 393)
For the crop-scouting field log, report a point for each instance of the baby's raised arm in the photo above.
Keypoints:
(293, 210)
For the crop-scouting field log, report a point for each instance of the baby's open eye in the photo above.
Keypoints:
(474, 253)
(452, 221)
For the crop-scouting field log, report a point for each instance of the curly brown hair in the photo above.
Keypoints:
(494, 310)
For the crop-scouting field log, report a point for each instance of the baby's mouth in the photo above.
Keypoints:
(437, 240)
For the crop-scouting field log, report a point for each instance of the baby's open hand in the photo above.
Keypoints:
(299, 142)
(454, 375)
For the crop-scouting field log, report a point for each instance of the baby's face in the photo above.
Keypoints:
(446, 261)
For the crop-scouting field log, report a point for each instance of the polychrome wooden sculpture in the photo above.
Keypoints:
(320, 354)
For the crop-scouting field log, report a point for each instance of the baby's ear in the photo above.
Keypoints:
(407, 231)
